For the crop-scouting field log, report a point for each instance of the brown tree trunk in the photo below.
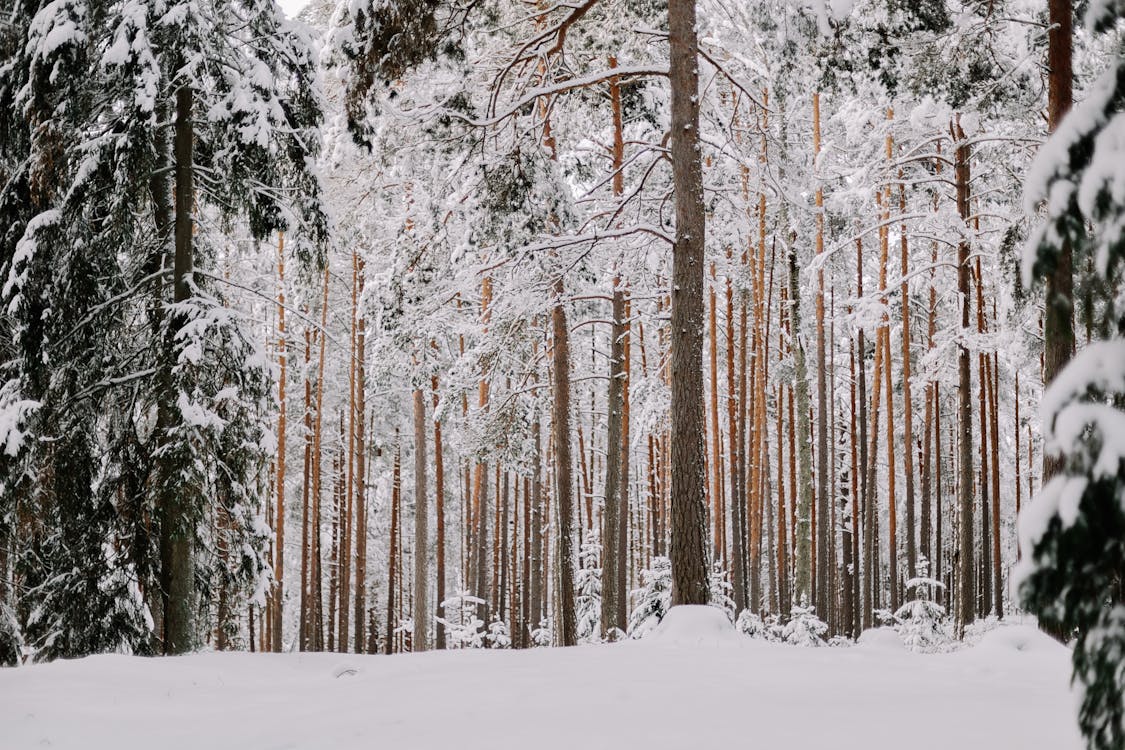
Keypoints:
(1058, 325)
(176, 524)
(279, 518)
(360, 484)
(689, 512)
(306, 479)
(616, 502)
(965, 572)
(421, 613)
(392, 556)
(907, 399)
(892, 506)
(564, 493)
(823, 566)
(439, 512)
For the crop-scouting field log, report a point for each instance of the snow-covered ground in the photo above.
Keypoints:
(693, 684)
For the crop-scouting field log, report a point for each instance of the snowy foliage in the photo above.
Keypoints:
(804, 628)
(653, 599)
(767, 629)
(588, 590)
(922, 622)
(721, 590)
(1073, 533)
(463, 627)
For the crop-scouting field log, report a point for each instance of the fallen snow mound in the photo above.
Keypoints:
(677, 695)
(881, 639)
(1024, 638)
(695, 625)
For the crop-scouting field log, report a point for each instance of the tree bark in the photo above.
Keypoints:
(1058, 324)
(616, 507)
(176, 525)
(965, 562)
(823, 566)
(564, 486)
(279, 539)
(439, 512)
(421, 614)
(689, 511)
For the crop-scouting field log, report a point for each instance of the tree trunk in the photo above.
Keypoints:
(535, 593)
(439, 510)
(421, 615)
(689, 511)
(392, 555)
(1058, 325)
(907, 399)
(965, 572)
(616, 503)
(822, 490)
(802, 532)
(360, 484)
(560, 338)
(176, 527)
(279, 518)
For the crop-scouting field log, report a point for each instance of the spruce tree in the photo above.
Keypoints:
(1073, 532)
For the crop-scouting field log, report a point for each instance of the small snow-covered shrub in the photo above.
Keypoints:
(721, 590)
(11, 645)
(804, 628)
(588, 585)
(498, 636)
(541, 636)
(462, 626)
(654, 598)
(753, 625)
(922, 622)
(976, 630)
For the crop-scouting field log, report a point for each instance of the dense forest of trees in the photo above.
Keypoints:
(412, 325)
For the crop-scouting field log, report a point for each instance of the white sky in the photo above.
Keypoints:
(292, 7)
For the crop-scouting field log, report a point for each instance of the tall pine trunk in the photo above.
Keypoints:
(689, 510)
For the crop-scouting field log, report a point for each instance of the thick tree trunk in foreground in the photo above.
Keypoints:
(689, 509)
(1058, 323)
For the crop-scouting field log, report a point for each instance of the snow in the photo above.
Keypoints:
(698, 625)
(690, 685)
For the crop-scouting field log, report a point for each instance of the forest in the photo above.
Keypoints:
(390, 326)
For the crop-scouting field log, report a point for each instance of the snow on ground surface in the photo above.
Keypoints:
(693, 684)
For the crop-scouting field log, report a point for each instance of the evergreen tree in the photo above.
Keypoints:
(1073, 532)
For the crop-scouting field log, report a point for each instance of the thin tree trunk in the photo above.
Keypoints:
(360, 484)
(885, 332)
(616, 502)
(966, 599)
(279, 519)
(907, 399)
(392, 556)
(560, 346)
(439, 512)
(822, 491)
(421, 614)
